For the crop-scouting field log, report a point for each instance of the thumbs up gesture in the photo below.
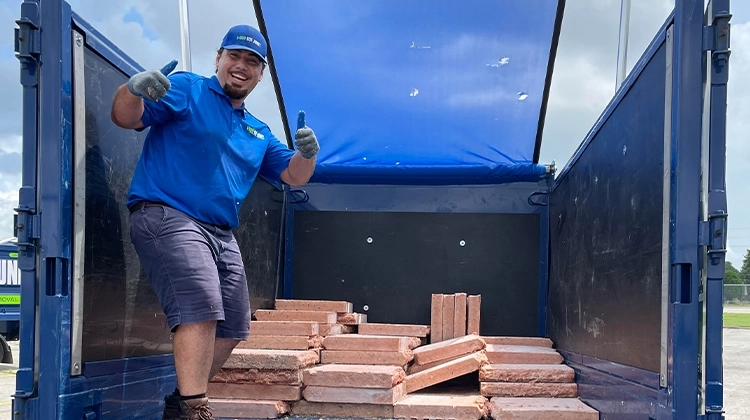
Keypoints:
(305, 139)
(152, 84)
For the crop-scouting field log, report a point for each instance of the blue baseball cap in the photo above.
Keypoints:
(245, 37)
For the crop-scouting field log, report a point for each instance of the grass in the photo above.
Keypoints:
(736, 320)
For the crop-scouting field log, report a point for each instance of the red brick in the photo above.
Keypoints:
(314, 305)
(353, 376)
(449, 370)
(441, 406)
(341, 410)
(449, 309)
(447, 349)
(527, 355)
(351, 319)
(335, 329)
(254, 392)
(271, 359)
(296, 328)
(402, 330)
(280, 342)
(356, 357)
(247, 409)
(541, 409)
(259, 376)
(367, 342)
(436, 318)
(354, 395)
(527, 373)
(473, 313)
(322, 317)
(519, 341)
(459, 315)
(508, 389)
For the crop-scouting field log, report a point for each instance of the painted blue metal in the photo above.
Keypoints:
(615, 391)
(27, 51)
(718, 16)
(687, 108)
(393, 110)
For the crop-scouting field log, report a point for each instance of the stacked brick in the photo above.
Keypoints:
(319, 358)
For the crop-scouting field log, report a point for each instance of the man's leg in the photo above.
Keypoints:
(193, 344)
(222, 350)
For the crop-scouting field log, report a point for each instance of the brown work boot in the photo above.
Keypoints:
(195, 409)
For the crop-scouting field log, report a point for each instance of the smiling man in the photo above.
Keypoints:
(200, 158)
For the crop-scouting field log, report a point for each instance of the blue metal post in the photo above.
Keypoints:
(718, 38)
(55, 187)
(27, 51)
(685, 164)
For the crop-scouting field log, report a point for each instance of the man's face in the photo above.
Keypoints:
(238, 71)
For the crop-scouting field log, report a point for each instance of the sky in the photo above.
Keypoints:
(582, 85)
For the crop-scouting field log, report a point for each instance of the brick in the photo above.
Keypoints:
(259, 376)
(355, 357)
(441, 406)
(414, 368)
(527, 373)
(335, 329)
(449, 308)
(541, 409)
(351, 319)
(519, 341)
(372, 343)
(446, 371)
(322, 317)
(341, 410)
(402, 330)
(447, 349)
(246, 409)
(280, 342)
(353, 376)
(296, 328)
(254, 391)
(314, 305)
(459, 315)
(526, 355)
(508, 389)
(271, 359)
(354, 395)
(436, 318)
(473, 312)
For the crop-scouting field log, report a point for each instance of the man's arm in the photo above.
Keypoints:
(299, 170)
(127, 109)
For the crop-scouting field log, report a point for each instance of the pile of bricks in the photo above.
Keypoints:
(319, 358)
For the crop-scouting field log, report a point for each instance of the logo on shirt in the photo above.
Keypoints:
(254, 132)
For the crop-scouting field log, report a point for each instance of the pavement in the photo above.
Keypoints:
(737, 309)
(8, 382)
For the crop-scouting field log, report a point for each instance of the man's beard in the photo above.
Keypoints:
(235, 93)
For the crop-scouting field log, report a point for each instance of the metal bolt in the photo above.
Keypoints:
(624, 150)
(462, 243)
(366, 307)
(369, 240)
(79, 40)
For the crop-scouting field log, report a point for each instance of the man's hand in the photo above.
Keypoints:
(305, 139)
(152, 84)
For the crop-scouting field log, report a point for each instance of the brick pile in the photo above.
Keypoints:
(319, 358)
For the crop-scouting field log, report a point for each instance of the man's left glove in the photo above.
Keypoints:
(306, 142)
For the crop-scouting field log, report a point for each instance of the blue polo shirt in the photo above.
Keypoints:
(201, 155)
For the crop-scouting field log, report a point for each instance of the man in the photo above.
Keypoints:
(199, 161)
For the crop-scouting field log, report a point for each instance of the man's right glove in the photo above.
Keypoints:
(152, 84)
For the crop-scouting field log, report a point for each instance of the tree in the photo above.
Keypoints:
(731, 274)
(745, 271)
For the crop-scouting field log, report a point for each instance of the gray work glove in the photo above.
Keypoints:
(306, 142)
(152, 84)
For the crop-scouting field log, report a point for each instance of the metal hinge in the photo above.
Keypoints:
(26, 223)
(713, 233)
(716, 40)
(27, 42)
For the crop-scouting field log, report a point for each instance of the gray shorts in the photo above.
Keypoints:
(195, 268)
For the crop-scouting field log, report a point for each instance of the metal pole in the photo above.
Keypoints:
(622, 46)
(185, 35)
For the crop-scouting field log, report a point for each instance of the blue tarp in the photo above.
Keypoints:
(421, 91)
